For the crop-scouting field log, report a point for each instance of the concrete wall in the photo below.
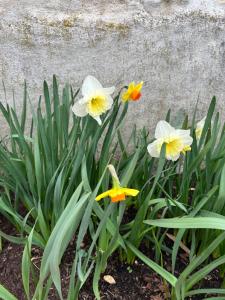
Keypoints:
(176, 47)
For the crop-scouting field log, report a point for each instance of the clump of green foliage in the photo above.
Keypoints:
(53, 167)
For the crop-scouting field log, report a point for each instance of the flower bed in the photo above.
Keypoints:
(162, 201)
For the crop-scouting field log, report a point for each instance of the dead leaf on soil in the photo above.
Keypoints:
(109, 279)
(182, 246)
(156, 297)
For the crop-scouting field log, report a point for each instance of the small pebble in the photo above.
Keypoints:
(109, 279)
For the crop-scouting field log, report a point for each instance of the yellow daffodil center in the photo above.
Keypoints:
(186, 149)
(97, 105)
(173, 146)
(133, 92)
(117, 194)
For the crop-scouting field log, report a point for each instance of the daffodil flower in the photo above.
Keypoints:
(133, 92)
(199, 128)
(186, 149)
(177, 141)
(96, 99)
(117, 193)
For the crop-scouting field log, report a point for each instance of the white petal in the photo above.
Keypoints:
(79, 109)
(98, 120)
(201, 123)
(90, 85)
(109, 102)
(185, 136)
(109, 90)
(173, 157)
(154, 149)
(188, 141)
(183, 132)
(83, 100)
(163, 129)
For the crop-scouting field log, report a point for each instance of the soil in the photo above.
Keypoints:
(134, 282)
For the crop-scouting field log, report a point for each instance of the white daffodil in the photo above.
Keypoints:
(199, 128)
(96, 99)
(177, 141)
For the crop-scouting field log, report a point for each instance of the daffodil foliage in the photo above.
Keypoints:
(163, 193)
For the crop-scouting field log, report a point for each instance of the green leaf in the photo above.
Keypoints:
(24, 111)
(205, 291)
(5, 294)
(155, 267)
(188, 222)
(26, 264)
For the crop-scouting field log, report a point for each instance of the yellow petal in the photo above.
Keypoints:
(186, 148)
(130, 192)
(125, 96)
(103, 195)
(131, 87)
(115, 191)
(138, 87)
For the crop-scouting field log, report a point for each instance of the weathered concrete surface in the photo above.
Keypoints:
(176, 47)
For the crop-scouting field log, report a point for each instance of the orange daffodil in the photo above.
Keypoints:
(117, 193)
(96, 99)
(177, 141)
(133, 92)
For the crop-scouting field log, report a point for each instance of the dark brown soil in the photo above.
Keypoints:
(134, 282)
